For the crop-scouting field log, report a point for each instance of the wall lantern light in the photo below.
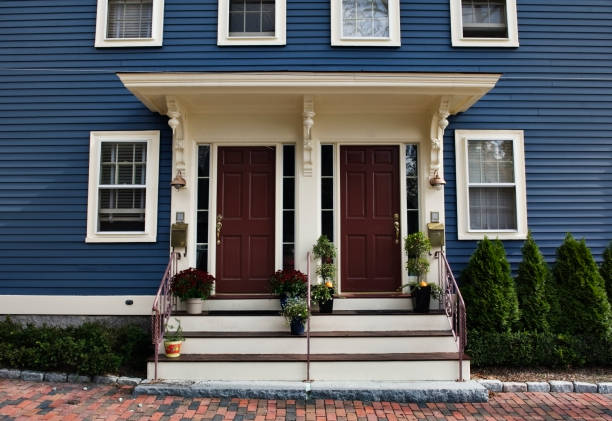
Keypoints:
(436, 180)
(178, 182)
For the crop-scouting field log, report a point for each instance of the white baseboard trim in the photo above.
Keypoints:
(84, 305)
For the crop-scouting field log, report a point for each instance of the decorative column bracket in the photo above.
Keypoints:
(439, 122)
(308, 121)
(177, 124)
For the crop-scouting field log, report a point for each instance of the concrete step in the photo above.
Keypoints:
(347, 342)
(345, 302)
(327, 367)
(347, 320)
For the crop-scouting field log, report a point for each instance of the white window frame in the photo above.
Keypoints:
(152, 176)
(157, 28)
(462, 137)
(458, 40)
(280, 30)
(394, 39)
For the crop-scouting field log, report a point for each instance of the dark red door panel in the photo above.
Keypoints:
(245, 200)
(371, 258)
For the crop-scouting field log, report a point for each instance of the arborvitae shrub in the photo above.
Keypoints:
(531, 288)
(488, 289)
(582, 297)
(606, 270)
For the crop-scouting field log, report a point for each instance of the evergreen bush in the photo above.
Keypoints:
(606, 270)
(531, 288)
(90, 349)
(581, 291)
(488, 289)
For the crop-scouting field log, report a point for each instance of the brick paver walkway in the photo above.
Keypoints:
(61, 401)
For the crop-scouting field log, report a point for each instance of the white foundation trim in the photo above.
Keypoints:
(84, 305)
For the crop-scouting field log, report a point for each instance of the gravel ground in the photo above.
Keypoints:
(505, 374)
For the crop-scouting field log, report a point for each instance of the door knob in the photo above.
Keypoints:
(396, 225)
(219, 226)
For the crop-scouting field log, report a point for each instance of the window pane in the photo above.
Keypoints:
(129, 18)
(203, 160)
(365, 18)
(236, 22)
(252, 22)
(327, 224)
(288, 226)
(202, 228)
(413, 222)
(267, 22)
(288, 256)
(121, 209)
(202, 257)
(412, 189)
(484, 18)
(288, 193)
(490, 161)
(412, 193)
(327, 160)
(493, 208)
(289, 160)
(327, 193)
(203, 194)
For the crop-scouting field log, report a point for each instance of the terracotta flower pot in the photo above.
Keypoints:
(173, 348)
(194, 305)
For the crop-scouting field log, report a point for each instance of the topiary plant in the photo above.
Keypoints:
(488, 289)
(606, 270)
(531, 288)
(582, 296)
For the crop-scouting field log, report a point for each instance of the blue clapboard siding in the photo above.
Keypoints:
(55, 88)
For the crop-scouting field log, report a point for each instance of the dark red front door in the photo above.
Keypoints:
(371, 257)
(245, 202)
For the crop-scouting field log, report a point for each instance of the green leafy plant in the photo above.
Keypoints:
(296, 308)
(606, 270)
(321, 293)
(289, 282)
(90, 349)
(582, 295)
(324, 249)
(488, 289)
(531, 288)
(174, 332)
(436, 291)
(416, 246)
(192, 283)
(327, 271)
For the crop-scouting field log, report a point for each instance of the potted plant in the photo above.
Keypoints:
(289, 283)
(173, 339)
(192, 286)
(417, 245)
(323, 293)
(296, 314)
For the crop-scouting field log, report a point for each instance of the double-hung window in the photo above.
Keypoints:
(129, 23)
(365, 23)
(491, 194)
(123, 176)
(251, 22)
(484, 23)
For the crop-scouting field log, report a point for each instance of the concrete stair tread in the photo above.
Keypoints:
(326, 334)
(428, 356)
(215, 313)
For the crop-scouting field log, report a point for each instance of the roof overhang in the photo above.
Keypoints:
(461, 90)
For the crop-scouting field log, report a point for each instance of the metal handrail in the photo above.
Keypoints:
(454, 306)
(308, 320)
(162, 307)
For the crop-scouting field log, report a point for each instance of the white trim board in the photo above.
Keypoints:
(90, 305)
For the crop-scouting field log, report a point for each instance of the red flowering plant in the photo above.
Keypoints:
(192, 283)
(289, 283)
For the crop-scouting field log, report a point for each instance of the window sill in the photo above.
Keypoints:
(502, 235)
(121, 238)
(348, 42)
(486, 42)
(251, 40)
(119, 43)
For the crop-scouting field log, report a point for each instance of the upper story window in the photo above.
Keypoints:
(123, 175)
(251, 22)
(129, 23)
(365, 23)
(484, 23)
(491, 191)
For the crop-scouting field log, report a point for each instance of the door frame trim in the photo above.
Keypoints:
(402, 198)
(212, 201)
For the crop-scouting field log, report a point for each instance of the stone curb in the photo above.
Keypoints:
(364, 391)
(39, 376)
(557, 386)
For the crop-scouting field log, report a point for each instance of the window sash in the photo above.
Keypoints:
(358, 17)
(129, 19)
